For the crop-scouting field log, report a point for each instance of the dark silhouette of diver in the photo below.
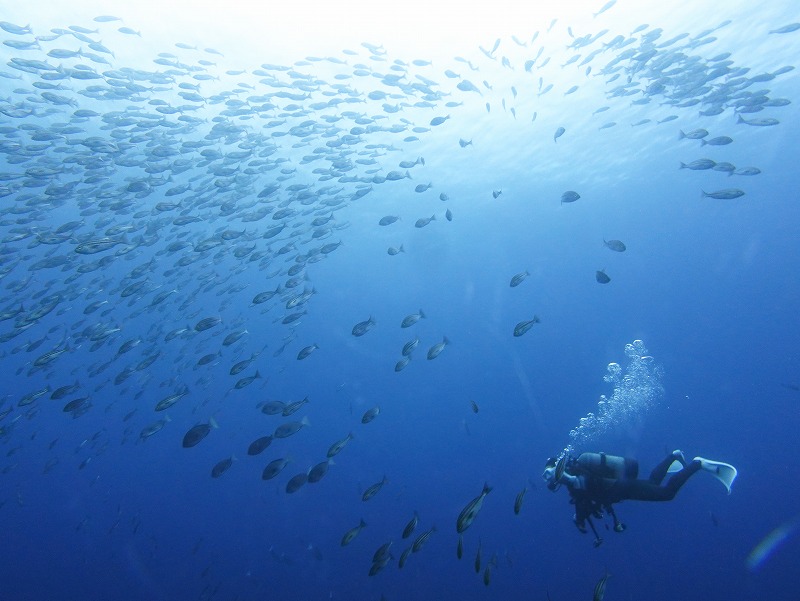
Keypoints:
(596, 481)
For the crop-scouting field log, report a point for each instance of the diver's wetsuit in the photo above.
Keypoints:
(591, 493)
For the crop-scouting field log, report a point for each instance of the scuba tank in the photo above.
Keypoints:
(608, 466)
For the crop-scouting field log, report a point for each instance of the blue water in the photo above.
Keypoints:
(91, 508)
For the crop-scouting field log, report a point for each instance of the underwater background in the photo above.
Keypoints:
(261, 263)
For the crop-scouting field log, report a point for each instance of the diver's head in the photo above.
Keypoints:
(549, 474)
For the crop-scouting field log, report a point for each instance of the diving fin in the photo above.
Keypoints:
(724, 472)
(675, 467)
(678, 464)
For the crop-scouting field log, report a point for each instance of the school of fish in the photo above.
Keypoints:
(157, 216)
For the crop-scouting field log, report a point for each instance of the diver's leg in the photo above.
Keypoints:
(674, 484)
(645, 490)
(659, 471)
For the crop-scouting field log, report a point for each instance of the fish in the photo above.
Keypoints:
(437, 348)
(15, 29)
(466, 85)
(207, 323)
(402, 363)
(289, 428)
(352, 533)
(727, 194)
(478, 558)
(51, 356)
(337, 446)
(518, 500)
(764, 122)
(785, 29)
(306, 351)
(273, 407)
(695, 134)
(569, 196)
(274, 468)
(615, 245)
(153, 428)
(316, 473)
(222, 467)
(382, 553)
(80, 405)
(388, 220)
(292, 407)
(234, 337)
(381, 563)
(404, 557)
(63, 391)
(423, 221)
(373, 490)
(409, 347)
(422, 539)
(370, 414)
(600, 588)
(97, 246)
(474, 406)
(471, 510)
(559, 132)
(699, 165)
(411, 526)
(518, 279)
(718, 141)
(259, 445)
(523, 326)
(410, 320)
(170, 400)
(725, 167)
(197, 433)
(608, 5)
(296, 482)
(246, 381)
(460, 547)
(363, 327)
(601, 277)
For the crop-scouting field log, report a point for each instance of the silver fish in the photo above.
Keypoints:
(470, 512)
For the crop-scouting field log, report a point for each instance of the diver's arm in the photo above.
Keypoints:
(575, 482)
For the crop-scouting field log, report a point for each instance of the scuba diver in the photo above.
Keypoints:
(596, 481)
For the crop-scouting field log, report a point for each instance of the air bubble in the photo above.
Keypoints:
(634, 393)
